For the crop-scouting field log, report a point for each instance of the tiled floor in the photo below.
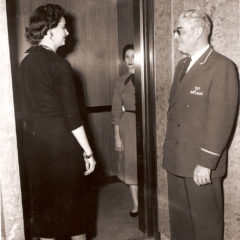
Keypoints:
(113, 220)
(110, 206)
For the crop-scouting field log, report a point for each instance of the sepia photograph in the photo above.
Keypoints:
(119, 120)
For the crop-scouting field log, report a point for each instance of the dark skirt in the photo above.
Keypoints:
(55, 168)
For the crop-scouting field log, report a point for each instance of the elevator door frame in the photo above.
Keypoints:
(146, 116)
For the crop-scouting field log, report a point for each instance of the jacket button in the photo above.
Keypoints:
(178, 124)
(187, 106)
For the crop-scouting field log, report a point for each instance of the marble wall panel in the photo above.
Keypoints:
(11, 216)
(225, 39)
(163, 74)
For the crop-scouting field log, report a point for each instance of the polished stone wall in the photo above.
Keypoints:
(163, 74)
(10, 195)
(225, 39)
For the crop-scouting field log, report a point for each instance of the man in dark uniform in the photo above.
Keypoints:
(202, 109)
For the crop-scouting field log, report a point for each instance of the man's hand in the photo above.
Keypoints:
(201, 175)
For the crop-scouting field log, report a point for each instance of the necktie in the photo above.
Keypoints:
(188, 60)
(130, 77)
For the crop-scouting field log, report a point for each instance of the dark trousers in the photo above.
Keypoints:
(196, 212)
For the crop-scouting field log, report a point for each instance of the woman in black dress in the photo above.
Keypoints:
(53, 131)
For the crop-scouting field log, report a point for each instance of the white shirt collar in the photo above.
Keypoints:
(197, 55)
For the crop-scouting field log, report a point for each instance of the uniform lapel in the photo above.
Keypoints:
(199, 65)
(177, 78)
(194, 70)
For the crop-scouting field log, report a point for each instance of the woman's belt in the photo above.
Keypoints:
(130, 111)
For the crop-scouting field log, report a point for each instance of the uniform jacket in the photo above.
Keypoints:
(201, 114)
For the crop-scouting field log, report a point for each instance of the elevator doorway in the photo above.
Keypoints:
(99, 30)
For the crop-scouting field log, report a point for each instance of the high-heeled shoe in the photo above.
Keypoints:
(133, 214)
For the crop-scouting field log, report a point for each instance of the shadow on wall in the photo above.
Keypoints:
(235, 121)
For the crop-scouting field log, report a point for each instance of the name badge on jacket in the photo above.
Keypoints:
(196, 91)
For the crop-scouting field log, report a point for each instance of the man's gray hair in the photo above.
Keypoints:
(200, 18)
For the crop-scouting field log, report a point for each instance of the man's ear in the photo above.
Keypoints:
(200, 32)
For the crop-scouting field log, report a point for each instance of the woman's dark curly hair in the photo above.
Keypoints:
(125, 49)
(44, 18)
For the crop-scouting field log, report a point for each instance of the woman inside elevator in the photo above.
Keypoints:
(57, 154)
(124, 121)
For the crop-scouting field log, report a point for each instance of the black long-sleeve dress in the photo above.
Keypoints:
(52, 155)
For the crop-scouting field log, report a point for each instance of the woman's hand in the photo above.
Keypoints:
(90, 164)
(80, 135)
(118, 144)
